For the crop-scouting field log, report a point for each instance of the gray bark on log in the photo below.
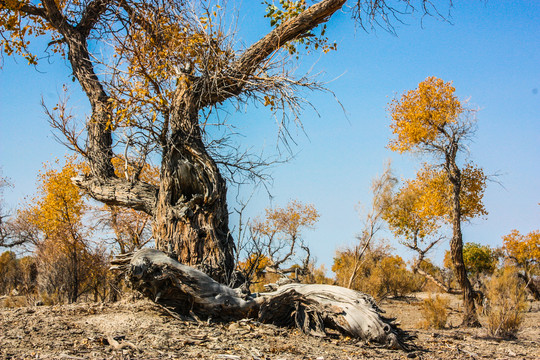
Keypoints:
(312, 308)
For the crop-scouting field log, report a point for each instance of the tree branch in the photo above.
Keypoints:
(91, 16)
(251, 59)
(55, 16)
(113, 191)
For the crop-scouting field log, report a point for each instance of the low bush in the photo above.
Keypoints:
(435, 312)
(505, 303)
(390, 277)
(378, 273)
(13, 301)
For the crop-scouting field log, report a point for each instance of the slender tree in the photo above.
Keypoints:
(62, 246)
(381, 188)
(419, 210)
(279, 235)
(433, 121)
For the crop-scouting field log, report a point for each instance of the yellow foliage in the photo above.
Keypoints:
(162, 54)
(17, 26)
(405, 217)
(391, 278)
(256, 263)
(380, 274)
(421, 115)
(60, 207)
(434, 192)
(254, 267)
(68, 265)
(286, 222)
(524, 250)
(422, 204)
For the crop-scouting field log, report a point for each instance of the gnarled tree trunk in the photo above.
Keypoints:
(311, 308)
(191, 217)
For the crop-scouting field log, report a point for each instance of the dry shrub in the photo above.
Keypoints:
(13, 301)
(259, 281)
(435, 312)
(505, 303)
(50, 299)
(390, 277)
(317, 275)
(9, 272)
(379, 273)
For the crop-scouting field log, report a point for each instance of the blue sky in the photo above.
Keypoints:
(491, 52)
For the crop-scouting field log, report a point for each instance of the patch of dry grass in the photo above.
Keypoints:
(435, 312)
(505, 304)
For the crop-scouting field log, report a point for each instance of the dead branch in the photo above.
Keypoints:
(311, 308)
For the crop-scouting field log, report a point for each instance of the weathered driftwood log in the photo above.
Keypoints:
(312, 308)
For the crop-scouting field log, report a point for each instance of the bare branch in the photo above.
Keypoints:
(62, 120)
(384, 14)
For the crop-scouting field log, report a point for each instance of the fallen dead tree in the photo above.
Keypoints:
(312, 308)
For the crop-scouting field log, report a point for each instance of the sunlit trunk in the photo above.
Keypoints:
(456, 249)
(201, 238)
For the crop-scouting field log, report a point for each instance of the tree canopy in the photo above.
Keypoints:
(524, 252)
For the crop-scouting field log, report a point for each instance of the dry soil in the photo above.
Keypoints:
(138, 329)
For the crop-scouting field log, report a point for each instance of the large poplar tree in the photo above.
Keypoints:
(152, 70)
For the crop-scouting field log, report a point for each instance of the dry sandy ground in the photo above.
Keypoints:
(141, 330)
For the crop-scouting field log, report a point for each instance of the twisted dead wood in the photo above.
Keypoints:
(311, 308)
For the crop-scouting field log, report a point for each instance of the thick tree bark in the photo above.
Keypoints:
(191, 227)
(312, 308)
(191, 217)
